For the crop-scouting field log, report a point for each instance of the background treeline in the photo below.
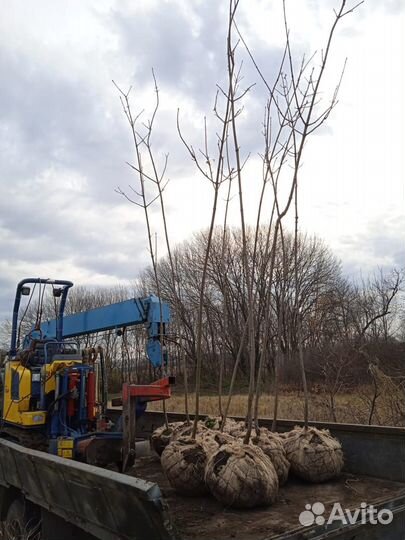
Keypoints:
(346, 324)
(353, 331)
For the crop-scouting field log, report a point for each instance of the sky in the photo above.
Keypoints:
(65, 143)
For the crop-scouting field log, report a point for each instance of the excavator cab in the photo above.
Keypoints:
(30, 371)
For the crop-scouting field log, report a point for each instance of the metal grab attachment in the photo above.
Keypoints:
(134, 396)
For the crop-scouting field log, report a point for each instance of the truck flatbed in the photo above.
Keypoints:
(85, 502)
(205, 518)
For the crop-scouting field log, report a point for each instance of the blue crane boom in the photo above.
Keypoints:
(113, 316)
(148, 311)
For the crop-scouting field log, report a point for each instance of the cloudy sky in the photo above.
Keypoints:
(64, 140)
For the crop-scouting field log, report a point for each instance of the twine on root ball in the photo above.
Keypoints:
(162, 436)
(241, 476)
(212, 440)
(273, 447)
(238, 429)
(183, 461)
(215, 422)
(314, 454)
(186, 430)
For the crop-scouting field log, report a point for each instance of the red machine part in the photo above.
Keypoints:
(91, 395)
(148, 392)
(71, 404)
(130, 393)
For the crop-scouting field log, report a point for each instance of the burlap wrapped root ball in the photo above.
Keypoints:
(271, 444)
(186, 429)
(212, 440)
(241, 476)
(314, 454)
(238, 430)
(163, 435)
(183, 462)
(215, 422)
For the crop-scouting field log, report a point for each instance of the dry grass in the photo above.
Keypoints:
(349, 408)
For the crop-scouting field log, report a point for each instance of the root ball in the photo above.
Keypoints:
(212, 440)
(183, 461)
(241, 476)
(214, 422)
(273, 447)
(238, 430)
(186, 429)
(314, 454)
(162, 436)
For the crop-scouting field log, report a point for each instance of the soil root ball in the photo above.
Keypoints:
(273, 447)
(183, 461)
(314, 454)
(241, 476)
(162, 436)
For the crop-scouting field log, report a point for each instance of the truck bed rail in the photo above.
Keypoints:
(94, 499)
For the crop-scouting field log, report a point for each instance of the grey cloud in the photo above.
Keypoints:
(55, 122)
(186, 61)
(7, 287)
(113, 264)
(382, 241)
(58, 120)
